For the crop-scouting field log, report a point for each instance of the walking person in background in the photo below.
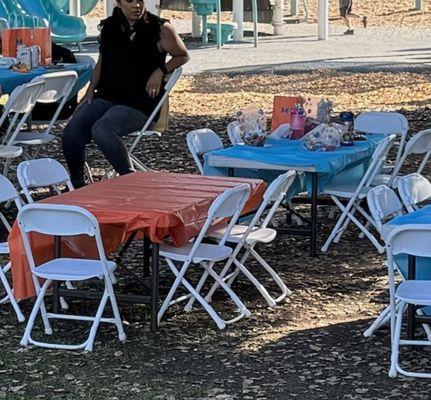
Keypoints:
(346, 14)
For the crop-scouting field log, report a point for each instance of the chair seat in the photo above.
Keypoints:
(72, 269)
(414, 292)
(4, 248)
(345, 190)
(146, 133)
(33, 138)
(10, 151)
(205, 252)
(262, 235)
(383, 179)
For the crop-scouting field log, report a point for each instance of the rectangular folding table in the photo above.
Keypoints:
(158, 205)
(320, 168)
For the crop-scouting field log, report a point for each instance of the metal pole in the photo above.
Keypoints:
(196, 25)
(277, 17)
(109, 6)
(73, 7)
(293, 7)
(238, 17)
(419, 5)
(323, 20)
(154, 287)
(314, 190)
(256, 33)
(218, 5)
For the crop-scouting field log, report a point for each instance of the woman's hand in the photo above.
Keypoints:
(88, 98)
(154, 83)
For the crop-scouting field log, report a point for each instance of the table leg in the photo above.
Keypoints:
(230, 171)
(55, 284)
(146, 263)
(154, 287)
(411, 309)
(314, 190)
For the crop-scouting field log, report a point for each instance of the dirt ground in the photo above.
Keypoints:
(397, 13)
(309, 347)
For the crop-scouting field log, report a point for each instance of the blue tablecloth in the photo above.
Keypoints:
(10, 79)
(348, 161)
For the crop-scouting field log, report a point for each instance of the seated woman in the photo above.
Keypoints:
(126, 85)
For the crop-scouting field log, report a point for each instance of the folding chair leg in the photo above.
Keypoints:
(10, 296)
(381, 320)
(180, 279)
(117, 317)
(284, 290)
(95, 325)
(188, 307)
(395, 342)
(37, 305)
(339, 224)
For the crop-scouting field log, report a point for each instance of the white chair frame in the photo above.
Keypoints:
(356, 196)
(413, 190)
(234, 133)
(248, 237)
(65, 220)
(20, 104)
(412, 239)
(201, 141)
(8, 194)
(228, 204)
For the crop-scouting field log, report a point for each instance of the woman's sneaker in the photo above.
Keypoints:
(349, 32)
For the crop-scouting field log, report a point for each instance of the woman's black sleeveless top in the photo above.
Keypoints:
(129, 57)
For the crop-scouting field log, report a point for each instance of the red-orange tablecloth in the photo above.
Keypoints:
(158, 204)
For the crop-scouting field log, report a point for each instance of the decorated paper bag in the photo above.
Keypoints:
(42, 37)
(282, 108)
(12, 38)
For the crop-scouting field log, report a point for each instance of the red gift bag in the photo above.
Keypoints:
(42, 37)
(281, 110)
(12, 38)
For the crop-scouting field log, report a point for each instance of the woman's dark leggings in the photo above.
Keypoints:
(105, 123)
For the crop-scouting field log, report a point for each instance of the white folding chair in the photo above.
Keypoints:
(414, 240)
(247, 237)
(7, 194)
(65, 220)
(41, 173)
(229, 204)
(413, 190)
(420, 143)
(356, 193)
(146, 129)
(385, 205)
(18, 109)
(387, 123)
(234, 133)
(201, 141)
(58, 86)
(44, 173)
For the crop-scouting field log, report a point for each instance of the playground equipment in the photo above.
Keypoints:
(222, 32)
(86, 6)
(43, 13)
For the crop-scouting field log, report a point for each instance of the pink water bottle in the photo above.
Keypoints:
(297, 121)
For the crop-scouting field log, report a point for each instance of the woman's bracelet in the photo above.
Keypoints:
(164, 69)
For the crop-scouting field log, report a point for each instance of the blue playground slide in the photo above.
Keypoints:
(86, 5)
(28, 13)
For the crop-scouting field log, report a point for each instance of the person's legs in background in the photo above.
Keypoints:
(118, 121)
(77, 135)
(346, 14)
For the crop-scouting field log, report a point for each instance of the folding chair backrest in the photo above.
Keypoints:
(201, 141)
(228, 204)
(57, 88)
(383, 204)
(418, 144)
(412, 239)
(58, 220)
(20, 103)
(168, 87)
(378, 160)
(386, 123)
(8, 193)
(275, 193)
(42, 172)
(234, 133)
(413, 190)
